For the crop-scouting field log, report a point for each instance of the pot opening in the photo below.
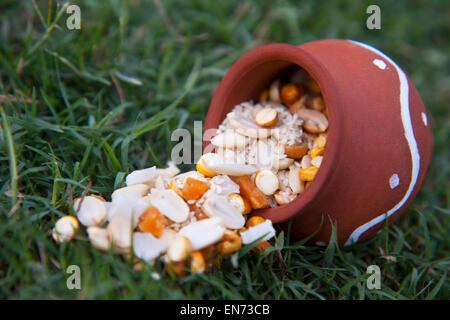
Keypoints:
(300, 94)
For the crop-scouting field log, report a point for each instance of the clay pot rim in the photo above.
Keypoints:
(296, 56)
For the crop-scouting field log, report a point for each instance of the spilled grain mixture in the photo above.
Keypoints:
(265, 155)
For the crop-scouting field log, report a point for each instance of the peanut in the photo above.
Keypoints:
(119, 229)
(274, 91)
(306, 162)
(263, 230)
(139, 189)
(179, 249)
(266, 117)
(317, 161)
(267, 182)
(99, 238)
(299, 104)
(317, 103)
(203, 233)
(170, 204)
(98, 197)
(283, 198)
(294, 180)
(295, 152)
(65, 229)
(315, 121)
(91, 211)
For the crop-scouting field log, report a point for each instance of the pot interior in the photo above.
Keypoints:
(252, 82)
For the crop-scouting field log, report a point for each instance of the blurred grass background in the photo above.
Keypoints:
(88, 106)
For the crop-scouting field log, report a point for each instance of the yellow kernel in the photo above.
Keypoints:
(202, 169)
(291, 93)
(253, 221)
(231, 242)
(266, 117)
(175, 188)
(320, 141)
(318, 151)
(198, 264)
(308, 174)
(242, 204)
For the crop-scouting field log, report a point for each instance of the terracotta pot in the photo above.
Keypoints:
(379, 142)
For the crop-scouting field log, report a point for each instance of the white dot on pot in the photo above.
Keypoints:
(379, 63)
(424, 119)
(394, 181)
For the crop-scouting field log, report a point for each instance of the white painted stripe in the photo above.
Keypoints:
(412, 143)
(424, 119)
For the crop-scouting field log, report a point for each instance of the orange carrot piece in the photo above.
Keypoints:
(152, 221)
(194, 189)
(249, 190)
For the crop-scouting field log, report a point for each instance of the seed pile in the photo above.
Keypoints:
(264, 155)
(278, 142)
(190, 220)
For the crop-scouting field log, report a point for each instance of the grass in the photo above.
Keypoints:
(84, 107)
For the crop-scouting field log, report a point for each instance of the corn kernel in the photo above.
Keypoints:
(175, 188)
(320, 141)
(241, 203)
(253, 221)
(308, 174)
(201, 168)
(291, 93)
(197, 262)
(231, 242)
(318, 151)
